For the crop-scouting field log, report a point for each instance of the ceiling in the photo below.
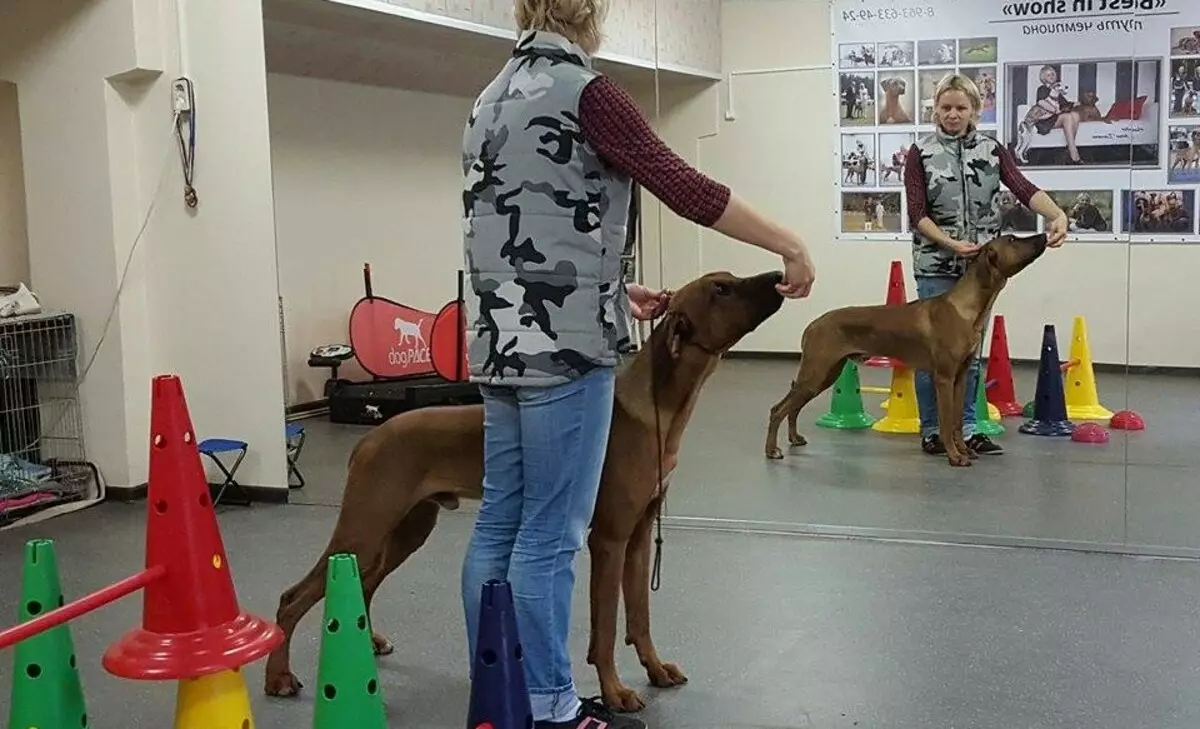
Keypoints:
(330, 40)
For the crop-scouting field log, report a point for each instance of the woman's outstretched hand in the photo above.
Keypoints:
(646, 304)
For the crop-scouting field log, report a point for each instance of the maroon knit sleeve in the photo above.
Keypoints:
(1013, 179)
(620, 134)
(914, 187)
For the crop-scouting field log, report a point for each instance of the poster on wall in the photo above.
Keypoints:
(1097, 100)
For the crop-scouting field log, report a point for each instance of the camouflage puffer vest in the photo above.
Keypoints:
(962, 177)
(544, 223)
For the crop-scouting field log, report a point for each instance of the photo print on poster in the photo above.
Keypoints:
(857, 99)
(1015, 216)
(1185, 41)
(1066, 114)
(1183, 162)
(1185, 88)
(856, 55)
(1147, 212)
(871, 212)
(1088, 211)
(927, 82)
(937, 52)
(896, 54)
(896, 102)
(893, 150)
(977, 50)
(858, 160)
(984, 78)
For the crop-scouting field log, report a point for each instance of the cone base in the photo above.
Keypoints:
(846, 421)
(990, 428)
(1088, 412)
(141, 654)
(1052, 428)
(901, 426)
(1008, 409)
(215, 701)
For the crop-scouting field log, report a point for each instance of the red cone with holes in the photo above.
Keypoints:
(896, 296)
(191, 623)
(1002, 393)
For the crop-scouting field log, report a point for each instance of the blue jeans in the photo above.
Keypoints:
(543, 453)
(927, 288)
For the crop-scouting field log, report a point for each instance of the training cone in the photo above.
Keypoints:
(46, 692)
(985, 422)
(1003, 392)
(902, 414)
(348, 693)
(499, 697)
(1082, 401)
(846, 410)
(191, 623)
(213, 701)
(896, 296)
(1049, 402)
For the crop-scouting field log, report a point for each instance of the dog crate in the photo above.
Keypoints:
(43, 461)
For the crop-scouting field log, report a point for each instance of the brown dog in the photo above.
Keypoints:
(893, 112)
(938, 335)
(404, 471)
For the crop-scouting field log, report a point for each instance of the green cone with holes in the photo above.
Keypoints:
(46, 692)
(348, 695)
(846, 405)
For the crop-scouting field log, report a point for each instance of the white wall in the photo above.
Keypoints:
(779, 155)
(201, 296)
(14, 238)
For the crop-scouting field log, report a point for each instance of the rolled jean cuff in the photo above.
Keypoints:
(555, 705)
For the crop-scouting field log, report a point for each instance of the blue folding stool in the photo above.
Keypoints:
(294, 433)
(213, 448)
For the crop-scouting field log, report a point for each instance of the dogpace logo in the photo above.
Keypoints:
(410, 347)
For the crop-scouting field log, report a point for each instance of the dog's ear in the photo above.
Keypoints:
(679, 331)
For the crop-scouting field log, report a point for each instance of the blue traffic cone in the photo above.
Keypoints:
(499, 695)
(1050, 402)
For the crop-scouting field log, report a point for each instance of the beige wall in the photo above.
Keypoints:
(14, 237)
(779, 154)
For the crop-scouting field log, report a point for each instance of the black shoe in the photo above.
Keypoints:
(594, 715)
(983, 445)
(933, 445)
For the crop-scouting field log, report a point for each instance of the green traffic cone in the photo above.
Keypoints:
(984, 425)
(348, 694)
(46, 691)
(1027, 411)
(846, 407)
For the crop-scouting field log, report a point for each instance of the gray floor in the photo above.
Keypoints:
(773, 631)
(1136, 490)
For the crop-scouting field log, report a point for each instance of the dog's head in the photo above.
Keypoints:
(1088, 98)
(712, 313)
(1005, 256)
(894, 85)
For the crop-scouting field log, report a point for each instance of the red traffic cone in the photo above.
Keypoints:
(896, 296)
(1002, 393)
(191, 623)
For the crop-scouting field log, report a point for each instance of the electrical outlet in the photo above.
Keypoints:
(181, 95)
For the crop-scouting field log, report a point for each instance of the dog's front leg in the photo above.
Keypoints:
(608, 558)
(637, 605)
(960, 394)
(949, 419)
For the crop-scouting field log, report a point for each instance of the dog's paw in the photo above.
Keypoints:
(382, 646)
(958, 460)
(774, 453)
(797, 440)
(282, 684)
(623, 699)
(666, 675)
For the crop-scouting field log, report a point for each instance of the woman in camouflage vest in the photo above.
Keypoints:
(954, 179)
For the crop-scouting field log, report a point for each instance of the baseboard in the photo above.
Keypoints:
(310, 407)
(260, 494)
(1104, 367)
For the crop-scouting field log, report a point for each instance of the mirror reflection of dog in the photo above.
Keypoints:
(404, 471)
(939, 335)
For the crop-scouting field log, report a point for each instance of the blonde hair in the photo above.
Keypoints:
(963, 83)
(579, 21)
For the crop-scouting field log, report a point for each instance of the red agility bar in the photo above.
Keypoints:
(82, 606)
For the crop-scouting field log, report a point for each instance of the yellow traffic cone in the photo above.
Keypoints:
(215, 701)
(1080, 379)
(902, 414)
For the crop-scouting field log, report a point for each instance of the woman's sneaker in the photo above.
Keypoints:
(933, 445)
(594, 715)
(983, 445)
